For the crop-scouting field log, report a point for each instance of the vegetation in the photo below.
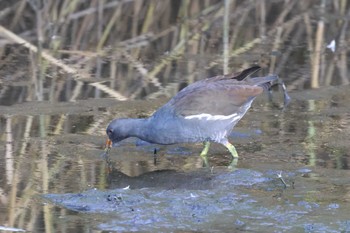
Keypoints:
(146, 48)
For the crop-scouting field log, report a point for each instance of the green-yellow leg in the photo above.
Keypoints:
(205, 152)
(234, 154)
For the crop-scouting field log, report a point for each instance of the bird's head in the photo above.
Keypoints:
(117, 130)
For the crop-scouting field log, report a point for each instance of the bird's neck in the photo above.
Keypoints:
(137, 127)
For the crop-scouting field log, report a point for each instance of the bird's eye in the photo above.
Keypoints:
(110, 131)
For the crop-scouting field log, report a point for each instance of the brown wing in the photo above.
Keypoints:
(215, 98)
(220, 95)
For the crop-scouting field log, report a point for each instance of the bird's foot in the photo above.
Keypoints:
(204, 153)
(205, 161)
(233, 164)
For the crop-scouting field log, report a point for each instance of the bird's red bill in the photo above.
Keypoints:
(108, 144)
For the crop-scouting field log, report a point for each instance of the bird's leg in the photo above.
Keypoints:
(234, 154)
(205, 152)
(155, 156)
(232, 149)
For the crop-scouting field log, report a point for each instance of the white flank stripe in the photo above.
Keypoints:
(208, 117)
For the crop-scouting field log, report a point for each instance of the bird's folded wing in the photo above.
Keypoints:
(220, 95)
(214, 98)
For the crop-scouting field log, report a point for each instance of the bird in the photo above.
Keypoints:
(204, 111)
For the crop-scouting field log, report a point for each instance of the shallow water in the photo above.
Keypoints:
(293, 171)
(64, 177)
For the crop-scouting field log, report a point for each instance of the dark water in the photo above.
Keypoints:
(293, 172)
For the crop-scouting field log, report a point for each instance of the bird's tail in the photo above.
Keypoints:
(268, 81)
(265, 82)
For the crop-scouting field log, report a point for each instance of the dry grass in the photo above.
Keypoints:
(140, 47)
